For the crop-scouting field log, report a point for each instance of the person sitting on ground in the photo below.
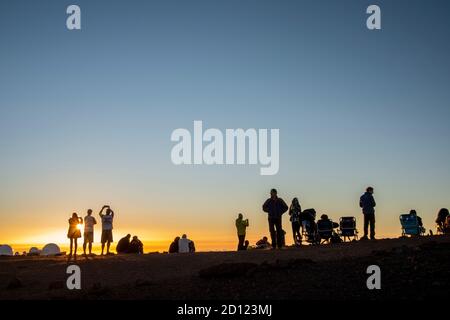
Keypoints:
(74, 233)
(123, 245)
(263, 243)
(191, 247)
(419, 220)
(136, 246)
(173, 248)
(441, 220)
(184, 244)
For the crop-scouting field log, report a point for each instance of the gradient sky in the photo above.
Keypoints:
(86, 116)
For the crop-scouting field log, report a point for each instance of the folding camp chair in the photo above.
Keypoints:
(410, 225)
(347, 228)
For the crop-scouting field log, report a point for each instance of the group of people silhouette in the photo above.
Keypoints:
(274, 206)
(125, 245)
(182, 245)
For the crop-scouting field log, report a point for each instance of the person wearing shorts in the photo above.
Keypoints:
(89, 222)
(107, 227)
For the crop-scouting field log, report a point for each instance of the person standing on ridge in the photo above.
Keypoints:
(89, 222)
(107, 227)
(74, 233)
(241, 226)
(367, 203)
(275, 207)
(295, 211)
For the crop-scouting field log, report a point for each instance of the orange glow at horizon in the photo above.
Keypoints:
(211, 227)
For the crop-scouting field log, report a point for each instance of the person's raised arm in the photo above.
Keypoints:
(101, 211)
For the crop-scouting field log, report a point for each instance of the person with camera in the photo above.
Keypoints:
(107, 227)
(241, 226)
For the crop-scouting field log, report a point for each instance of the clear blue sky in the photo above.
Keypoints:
(86, 116)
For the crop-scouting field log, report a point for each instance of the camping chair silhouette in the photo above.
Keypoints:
(347, 228)
(410, 225)
(325, 230)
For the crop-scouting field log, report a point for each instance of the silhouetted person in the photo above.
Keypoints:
(241, 226)
(74, 233)
(107, 228)
(173, 248)
(324, 218)
(275, 207)
(263, 243)
(136, 246)
(367, 203)
(419, 219)
(246, 243)
(191, 246)
(89, 222)
(294, 211)
(184, 244)
(441, 220)
(123, 246)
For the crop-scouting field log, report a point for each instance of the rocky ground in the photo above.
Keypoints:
(414, 268)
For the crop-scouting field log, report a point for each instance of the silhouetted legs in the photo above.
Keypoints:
(108, 244)
(89, 245)
(369, 219)
(241, 242)
(276, 232)
(88, 239)
(296, 232)
(73, 246)
(107, 238)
